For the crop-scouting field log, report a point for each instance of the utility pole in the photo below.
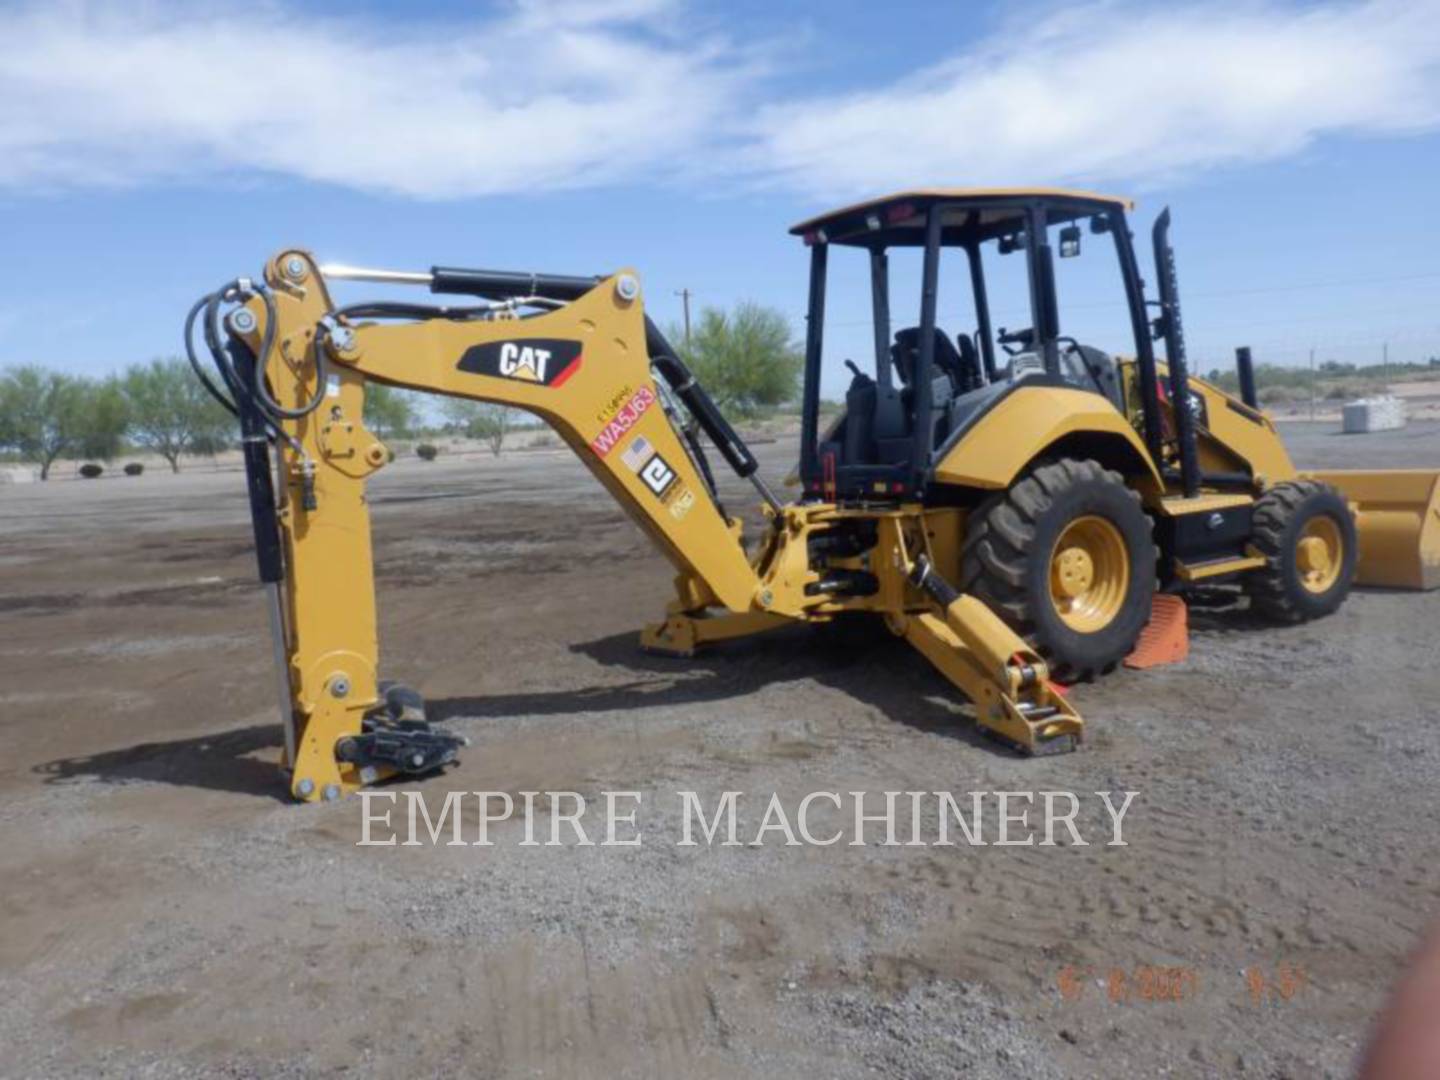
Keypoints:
(1312, 384)
(684, 295)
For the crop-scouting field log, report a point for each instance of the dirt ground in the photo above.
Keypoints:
(164, 911)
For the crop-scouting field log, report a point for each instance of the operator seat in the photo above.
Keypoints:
(969, 377)
(1094, 370)
(906, 351)
(874, 422)
(947, 374)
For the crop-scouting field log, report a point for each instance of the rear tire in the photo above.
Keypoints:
(1080, 603)
(1306, 532)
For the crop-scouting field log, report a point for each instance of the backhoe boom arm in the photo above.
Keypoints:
(581, 354)
(583, 366)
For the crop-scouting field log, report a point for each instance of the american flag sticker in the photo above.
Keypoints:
(637, 453)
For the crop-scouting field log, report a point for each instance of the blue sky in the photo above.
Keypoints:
(149, 152)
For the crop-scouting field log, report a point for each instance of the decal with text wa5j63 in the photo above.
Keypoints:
(544, 361)
(624, 419)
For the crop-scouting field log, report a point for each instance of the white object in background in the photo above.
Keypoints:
(1374, 414)
(17, 474)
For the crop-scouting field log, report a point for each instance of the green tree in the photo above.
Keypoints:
(170, 412)
(480, 420)
(389, 413)
(746, 358)
(107, 421)
(45, 415)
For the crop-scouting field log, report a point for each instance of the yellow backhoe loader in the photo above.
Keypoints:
(1008, 501)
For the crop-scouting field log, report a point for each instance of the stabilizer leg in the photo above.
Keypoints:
(683, 633)
(1008, 682)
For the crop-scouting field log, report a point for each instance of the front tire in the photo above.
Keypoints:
(1065, 557)
(1306, 532)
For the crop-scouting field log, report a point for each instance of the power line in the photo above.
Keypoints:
(684, 295)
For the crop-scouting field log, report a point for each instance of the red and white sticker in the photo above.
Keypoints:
(624, 419)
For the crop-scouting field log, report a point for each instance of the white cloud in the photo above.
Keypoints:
(1114, 92)
(577, 93)
(541, 97)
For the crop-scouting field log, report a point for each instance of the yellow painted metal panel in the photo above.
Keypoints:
(1007, 438)
(1179, 506)
(1201, 571)
(1397, 513)
(607, 408)
(1247, 435)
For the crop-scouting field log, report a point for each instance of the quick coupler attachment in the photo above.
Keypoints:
(397, 738)
(409, 747)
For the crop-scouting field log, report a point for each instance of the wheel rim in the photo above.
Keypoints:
(1319, 553)
(1089, 574)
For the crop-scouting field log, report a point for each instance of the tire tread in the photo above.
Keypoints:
(994, 556)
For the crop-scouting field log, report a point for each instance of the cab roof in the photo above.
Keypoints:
(971, 213)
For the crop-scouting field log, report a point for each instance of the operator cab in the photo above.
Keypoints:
(937, 369)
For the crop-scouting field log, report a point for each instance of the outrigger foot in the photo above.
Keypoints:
(1015, 702)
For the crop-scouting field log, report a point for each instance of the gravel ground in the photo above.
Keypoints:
(165, 911)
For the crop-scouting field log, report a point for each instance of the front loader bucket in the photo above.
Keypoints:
(1397, 514)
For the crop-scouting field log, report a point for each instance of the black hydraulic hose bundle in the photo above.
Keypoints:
(259, 482)
(242, 372)
(678, 376)
(228, 402)
(702, 462)
(249, 388)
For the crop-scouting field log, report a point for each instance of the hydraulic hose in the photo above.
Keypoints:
(214, 391)
(267, 403)
(259, 483)
(247, 392)
(703, 408)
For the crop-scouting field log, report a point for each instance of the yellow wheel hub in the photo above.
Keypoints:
(1089, 574)
(1319, 554)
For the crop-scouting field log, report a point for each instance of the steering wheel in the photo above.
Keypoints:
(1015, 342)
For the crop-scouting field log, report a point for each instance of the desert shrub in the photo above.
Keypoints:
(1282, 395)
(1356, 388)
(427, 451)
(134, 468)
(542, 441)
(90, 470)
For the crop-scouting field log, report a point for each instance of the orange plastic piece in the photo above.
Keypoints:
(1166, 637)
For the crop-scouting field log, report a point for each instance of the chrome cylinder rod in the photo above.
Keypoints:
(282, 668)
(341, 272)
